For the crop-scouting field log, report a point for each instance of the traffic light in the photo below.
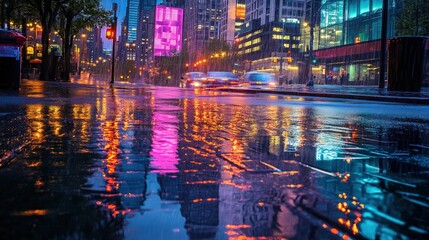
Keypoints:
(109, 33)
(313, 60)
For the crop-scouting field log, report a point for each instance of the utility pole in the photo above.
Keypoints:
(115, 20)
(383, 43)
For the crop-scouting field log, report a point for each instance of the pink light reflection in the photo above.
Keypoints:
(164, 143)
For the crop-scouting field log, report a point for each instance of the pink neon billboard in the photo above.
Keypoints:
(168, 30)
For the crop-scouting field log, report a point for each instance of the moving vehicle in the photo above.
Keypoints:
(259, 80)
(221, 79)
(192, 79)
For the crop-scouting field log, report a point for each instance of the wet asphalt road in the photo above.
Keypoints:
(85, 161)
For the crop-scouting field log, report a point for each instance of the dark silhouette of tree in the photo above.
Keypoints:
(413, 18)
(47, 12)
(73, 17)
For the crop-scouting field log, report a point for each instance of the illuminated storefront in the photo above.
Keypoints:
(348, 43)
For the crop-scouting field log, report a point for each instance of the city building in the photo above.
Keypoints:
(270, 34)
(88, 47)
(233, 14)
(145, 37)
(129, 30)
(201, 24)
(348, 43)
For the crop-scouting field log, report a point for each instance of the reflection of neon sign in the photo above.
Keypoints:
(168, 30)
(165, 143)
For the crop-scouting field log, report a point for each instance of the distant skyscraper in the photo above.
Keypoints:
(201, 23)
(232, 16)
(274, 10)
(132, 18)
(171, 3)
(145, 35)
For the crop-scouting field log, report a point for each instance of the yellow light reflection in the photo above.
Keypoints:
(36, 124)
(34, 212)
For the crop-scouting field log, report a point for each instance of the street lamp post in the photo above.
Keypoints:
(115, 19)
(383, 44)
(83, 36)
(281, 49)
(310, 50)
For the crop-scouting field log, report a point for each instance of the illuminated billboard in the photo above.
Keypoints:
(168, 30)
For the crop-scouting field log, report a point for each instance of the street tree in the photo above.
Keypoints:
(47, 12)
(220, 54)
(170, 69)
(74, 16)
(413, 18)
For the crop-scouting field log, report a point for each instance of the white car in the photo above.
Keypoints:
(259, 79)
(221, 79)
(192, 80)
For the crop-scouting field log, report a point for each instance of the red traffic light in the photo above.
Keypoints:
(109, 33)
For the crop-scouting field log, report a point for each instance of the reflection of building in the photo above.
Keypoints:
(199, 169)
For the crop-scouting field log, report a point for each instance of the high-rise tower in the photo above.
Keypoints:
(201, 24)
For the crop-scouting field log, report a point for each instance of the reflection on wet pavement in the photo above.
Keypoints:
(93, 162)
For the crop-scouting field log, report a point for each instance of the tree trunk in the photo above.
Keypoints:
(67, 57)
(67, 45)
(45, 53)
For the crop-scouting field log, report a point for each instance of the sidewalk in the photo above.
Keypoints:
(371, 93)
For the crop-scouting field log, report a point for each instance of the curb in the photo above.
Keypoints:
(380, 98)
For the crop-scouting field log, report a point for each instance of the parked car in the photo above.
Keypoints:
(221, 79)
(192, 79)
(259, 79)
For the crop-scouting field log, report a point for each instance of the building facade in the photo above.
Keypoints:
(233, 14)
(349, 40)
(270, 34)
(201, 24)
(144, 41)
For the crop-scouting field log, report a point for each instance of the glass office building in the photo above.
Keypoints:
(348, 43)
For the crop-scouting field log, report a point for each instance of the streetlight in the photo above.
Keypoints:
(281, 49)
(83, 36)
(115, 19)
(383, 43)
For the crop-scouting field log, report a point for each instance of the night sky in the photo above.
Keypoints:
(122, 7)
(107, 4)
